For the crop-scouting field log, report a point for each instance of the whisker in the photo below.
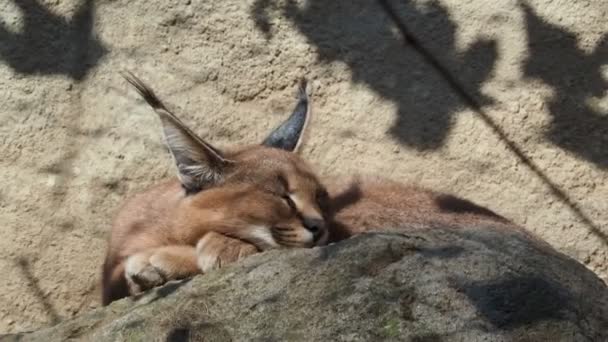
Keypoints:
(292, 241)
(288, 235)
(290, 244)
(284, 229)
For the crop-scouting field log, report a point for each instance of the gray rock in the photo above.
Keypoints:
(472, 284)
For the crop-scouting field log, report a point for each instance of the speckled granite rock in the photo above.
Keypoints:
(441, 284)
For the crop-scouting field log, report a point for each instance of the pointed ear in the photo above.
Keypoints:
(199, 164)
(289, 135)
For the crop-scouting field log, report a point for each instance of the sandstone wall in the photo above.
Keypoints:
(75, 139)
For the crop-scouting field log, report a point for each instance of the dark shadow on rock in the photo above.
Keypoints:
(178, 335)
(198, 331)
(575, 75)
(50, 44)
(361, 35)
(163, 291)
(170, 287)
(427, 338)
(518, 301)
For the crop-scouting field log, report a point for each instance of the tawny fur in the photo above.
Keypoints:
(260, 201)
(249, 201)
(265, 195)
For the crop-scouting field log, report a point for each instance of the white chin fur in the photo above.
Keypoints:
(262, 236)
(309, 237)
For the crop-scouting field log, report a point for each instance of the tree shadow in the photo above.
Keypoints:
(34, 285)
(50, 44)
(326, 27)
(518, 301)
(358, 33)
(575, 75)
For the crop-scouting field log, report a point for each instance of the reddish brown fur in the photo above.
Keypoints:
(261, 194)
(255, 198)
(364, 204)
(251, 195)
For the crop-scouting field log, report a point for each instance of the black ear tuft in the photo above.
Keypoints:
(289, 134)
(199, 164)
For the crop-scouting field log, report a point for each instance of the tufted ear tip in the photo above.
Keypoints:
(288, 136)
(199, 164)
(302, 93)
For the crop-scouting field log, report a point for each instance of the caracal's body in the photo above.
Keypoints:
(230, 204)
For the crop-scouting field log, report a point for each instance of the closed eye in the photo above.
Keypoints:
(322, 195)
(289, 201)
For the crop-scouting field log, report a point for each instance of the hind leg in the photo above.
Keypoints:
(156, 266)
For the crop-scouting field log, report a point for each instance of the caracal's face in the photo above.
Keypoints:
(265, 194)
(275, 196)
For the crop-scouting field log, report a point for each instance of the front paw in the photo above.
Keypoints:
(141, 274)
(155, 267)
(215, 250)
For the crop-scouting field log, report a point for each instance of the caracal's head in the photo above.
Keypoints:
(265, 194)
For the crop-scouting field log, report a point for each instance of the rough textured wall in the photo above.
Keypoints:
(75, 139)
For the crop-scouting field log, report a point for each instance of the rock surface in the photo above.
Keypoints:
(75, 139)
(433, 285)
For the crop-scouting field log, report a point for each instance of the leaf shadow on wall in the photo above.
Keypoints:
(360, 34)
(578, 123)
(49, 44)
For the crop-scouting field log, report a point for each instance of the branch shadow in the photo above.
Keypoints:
(347, 197)
(359, 34)
(556, 59)
(50, 44)
(33, 284)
